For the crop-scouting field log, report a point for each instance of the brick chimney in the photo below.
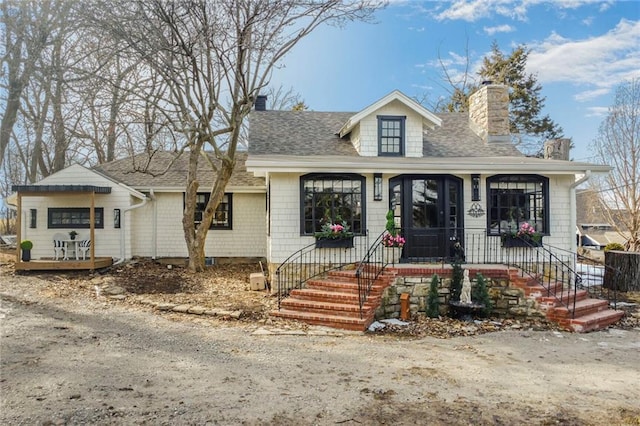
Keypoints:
(261, 103)
(489, 112)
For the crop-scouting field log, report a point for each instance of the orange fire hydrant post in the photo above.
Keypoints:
(405, 313)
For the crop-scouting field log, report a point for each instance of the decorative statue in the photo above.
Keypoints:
(465, 293)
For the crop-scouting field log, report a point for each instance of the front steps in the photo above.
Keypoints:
(333, 301)
(580, 314)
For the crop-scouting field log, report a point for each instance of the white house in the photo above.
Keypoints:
(447, 178)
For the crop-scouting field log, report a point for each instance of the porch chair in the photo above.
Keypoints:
(59, 246)
(84, 246)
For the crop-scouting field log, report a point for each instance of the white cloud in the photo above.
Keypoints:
(499, 29)
(600, 62)
(588, 21)
(473, 10)
(588, 95)
(597, 111)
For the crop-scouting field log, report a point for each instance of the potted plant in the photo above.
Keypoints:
(26, 247)
(525, 236)
(392, 241)
(334, 235)
(72, 235)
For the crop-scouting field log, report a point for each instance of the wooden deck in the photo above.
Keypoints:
(64, 265)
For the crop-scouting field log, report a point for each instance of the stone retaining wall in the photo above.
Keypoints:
(508, 301)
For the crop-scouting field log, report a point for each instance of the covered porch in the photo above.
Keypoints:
(91, 262)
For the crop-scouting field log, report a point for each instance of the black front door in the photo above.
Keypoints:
(428, 209)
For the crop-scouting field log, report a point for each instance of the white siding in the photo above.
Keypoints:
(285, 235)
(246, 239)
(107, 240)
(368, 136)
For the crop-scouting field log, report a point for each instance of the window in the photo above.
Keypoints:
(390, 135)
(514, 199)
(221, 218)
(332, 198)
(33, 218)
(74, 217)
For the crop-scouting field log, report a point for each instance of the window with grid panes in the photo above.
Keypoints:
(390, 135)
(515, 199)
(332, 199)
(221, 217)
(73, 217)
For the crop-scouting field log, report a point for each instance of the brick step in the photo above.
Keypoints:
(566, 297)
(341, 286)
(582, 308)
(343, 323)
(350, 276)
(595, 321)
(325, 296)
(328, 308)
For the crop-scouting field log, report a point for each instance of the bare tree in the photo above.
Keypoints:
(27, 28)
(618, 144)
(215, 57)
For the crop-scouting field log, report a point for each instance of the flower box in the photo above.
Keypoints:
(346, 242)
(511, 241)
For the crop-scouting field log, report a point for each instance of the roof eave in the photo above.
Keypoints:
(263, 164)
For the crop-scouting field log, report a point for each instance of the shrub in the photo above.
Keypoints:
(433, 298)
(614, 246)
(457, 275)
(391, 224)
(26, 245)
(480, 295)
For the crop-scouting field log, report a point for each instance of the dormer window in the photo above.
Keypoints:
(391, 135)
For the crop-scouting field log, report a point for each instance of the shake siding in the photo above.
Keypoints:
(560, 212)
(368, 138)
(285, 237)
(107, 239)
(246, 239)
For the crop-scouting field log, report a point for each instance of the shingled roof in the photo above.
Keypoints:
(305, 133)
(129, 171)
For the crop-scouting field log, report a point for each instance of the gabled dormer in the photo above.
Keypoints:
(390, 127)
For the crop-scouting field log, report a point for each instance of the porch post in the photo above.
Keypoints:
(19, 228)
(92, 220)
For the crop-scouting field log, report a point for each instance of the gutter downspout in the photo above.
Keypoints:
(573, 225)
(123, 228)
(154, 225)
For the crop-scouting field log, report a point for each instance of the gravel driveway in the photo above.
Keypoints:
(91, 362)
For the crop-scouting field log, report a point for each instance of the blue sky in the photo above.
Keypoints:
(580, 51)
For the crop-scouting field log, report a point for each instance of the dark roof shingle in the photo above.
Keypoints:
(160, 172)
(307, 133)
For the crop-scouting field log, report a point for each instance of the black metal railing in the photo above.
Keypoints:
(371, 267)
(310, 262)
(555, 269)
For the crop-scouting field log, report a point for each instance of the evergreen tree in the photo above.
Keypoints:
(433, 298)
(525, 92)
(526, 101)
(457, 275)
(480, 295)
